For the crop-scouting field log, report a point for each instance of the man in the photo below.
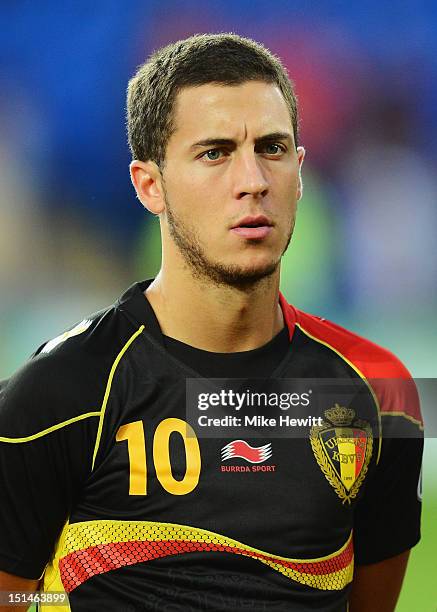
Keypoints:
(111, 491)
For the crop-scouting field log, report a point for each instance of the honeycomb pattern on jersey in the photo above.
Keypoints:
(95, 547)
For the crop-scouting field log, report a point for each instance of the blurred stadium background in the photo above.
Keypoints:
(73, 236)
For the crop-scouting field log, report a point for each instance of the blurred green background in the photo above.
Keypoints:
(73, 236)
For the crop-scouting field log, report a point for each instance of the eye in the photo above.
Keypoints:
(212, 154)
(273, 148)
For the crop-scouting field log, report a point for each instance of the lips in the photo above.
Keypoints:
(258, 221)
(253, 228)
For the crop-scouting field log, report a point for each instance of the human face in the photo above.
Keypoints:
(230, 163)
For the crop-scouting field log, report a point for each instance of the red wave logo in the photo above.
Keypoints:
(240, 448)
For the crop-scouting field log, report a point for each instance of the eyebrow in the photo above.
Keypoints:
(214, 142)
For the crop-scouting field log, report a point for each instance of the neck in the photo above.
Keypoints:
(219, 319)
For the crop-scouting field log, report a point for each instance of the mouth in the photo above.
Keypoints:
(253, 228)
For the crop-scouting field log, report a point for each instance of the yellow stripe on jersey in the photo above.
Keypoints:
(108, 389)
(44, 432)
(397, 413)
(360, 374)
(90, 548)
(51, 581)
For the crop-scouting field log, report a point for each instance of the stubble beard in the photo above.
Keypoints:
(217, 273)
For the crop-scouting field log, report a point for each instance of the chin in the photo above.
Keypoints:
(235, 275)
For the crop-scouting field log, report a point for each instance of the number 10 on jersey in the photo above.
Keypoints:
(136, 447)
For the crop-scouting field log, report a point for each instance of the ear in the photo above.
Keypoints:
(300, 158)
(147, 181)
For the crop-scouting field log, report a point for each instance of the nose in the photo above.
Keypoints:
(248, 176)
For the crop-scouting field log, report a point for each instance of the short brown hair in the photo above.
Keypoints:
(226, 59)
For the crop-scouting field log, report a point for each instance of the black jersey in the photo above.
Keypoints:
(112, 495)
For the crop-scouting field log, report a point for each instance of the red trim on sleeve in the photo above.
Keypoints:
(389, 378)
(289, 315)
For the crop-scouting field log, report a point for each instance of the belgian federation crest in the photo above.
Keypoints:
(342, 445)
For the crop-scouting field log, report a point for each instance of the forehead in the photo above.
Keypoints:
(219, 110)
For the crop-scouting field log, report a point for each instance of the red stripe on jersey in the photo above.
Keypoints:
(289, 315)
(80, 565)
(389, 378)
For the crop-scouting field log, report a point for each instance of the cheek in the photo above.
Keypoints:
(196, 208)
(285, 180)
(287, 194)
(193, 188)
(293, 181)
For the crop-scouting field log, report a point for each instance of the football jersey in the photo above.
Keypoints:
(111, 492)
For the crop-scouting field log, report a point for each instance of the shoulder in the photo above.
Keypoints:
(390, 381)
(65, 378)
(371, 359)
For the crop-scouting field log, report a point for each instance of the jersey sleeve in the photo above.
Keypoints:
(387, 517)
(47, 432)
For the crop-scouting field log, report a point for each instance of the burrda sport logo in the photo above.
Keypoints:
(240, 449)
